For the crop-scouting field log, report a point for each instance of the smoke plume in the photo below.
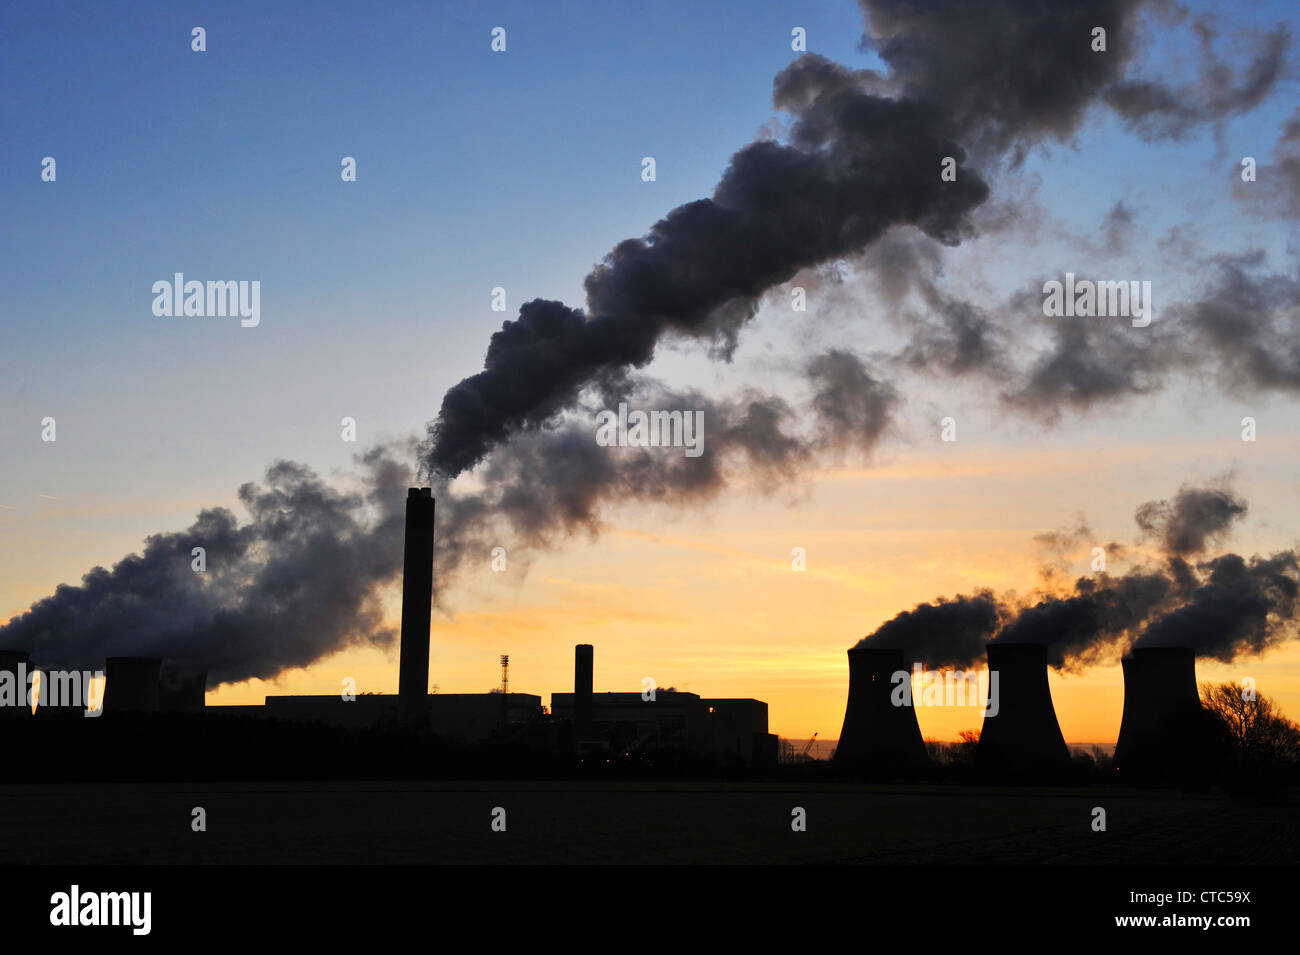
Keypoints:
(857, 162)
(294, 582)
(1196, 517)
(1222, 607)
(949, 632)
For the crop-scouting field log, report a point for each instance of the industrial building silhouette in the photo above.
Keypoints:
(1163, 721)
(582, 724)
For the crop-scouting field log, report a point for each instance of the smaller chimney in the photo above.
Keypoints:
(583, 670)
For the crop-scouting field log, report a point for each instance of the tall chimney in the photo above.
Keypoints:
(130, 684)
(14, 663)
(417, 603)
(583, 669)
(1023, 742)
(1164, 729)
(878, 738)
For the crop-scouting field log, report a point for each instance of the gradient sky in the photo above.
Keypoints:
(522, 170)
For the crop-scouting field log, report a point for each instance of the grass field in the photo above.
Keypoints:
(419, 822)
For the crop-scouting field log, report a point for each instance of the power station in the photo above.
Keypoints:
(1163, 722)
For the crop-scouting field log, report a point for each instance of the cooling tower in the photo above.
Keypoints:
(13, 696)
(1023, 742)
(131, 684)
(583, 671)
(878, 738)
(182, 690)
(417, 603)
(1163, 727)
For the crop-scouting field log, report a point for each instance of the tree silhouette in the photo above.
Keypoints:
(1256, 723)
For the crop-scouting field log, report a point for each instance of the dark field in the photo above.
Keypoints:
(420, 822)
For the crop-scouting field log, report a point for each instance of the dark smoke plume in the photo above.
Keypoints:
(857, 162)
(949, 632)
(1081, 629)
(300, 578)
(1220, 608)
(1197, 516)
(1243, 606)
(548, 485)
(294, 582)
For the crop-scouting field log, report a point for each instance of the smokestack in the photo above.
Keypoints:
(1023, 741)
(182, 691)
(130, 684)
(878, 737)
(583, 669)
(14, 671)
(417, 604)
(1163, 727)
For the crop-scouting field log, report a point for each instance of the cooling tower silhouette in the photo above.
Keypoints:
(182, 690)
(878, 738)
(1164, 729)
(131, 684)
(15, 664)
(1023, 742)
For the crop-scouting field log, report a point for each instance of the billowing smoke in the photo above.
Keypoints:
(1221, 607)
(1195, 518)
(294, 582)
(1249, 322)
(858, 161)
(857, 165)
(951, 632)
(1242, 606)
(550, 484)
(1082, 628)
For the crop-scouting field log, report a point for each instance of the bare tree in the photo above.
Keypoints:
(1255, 722)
